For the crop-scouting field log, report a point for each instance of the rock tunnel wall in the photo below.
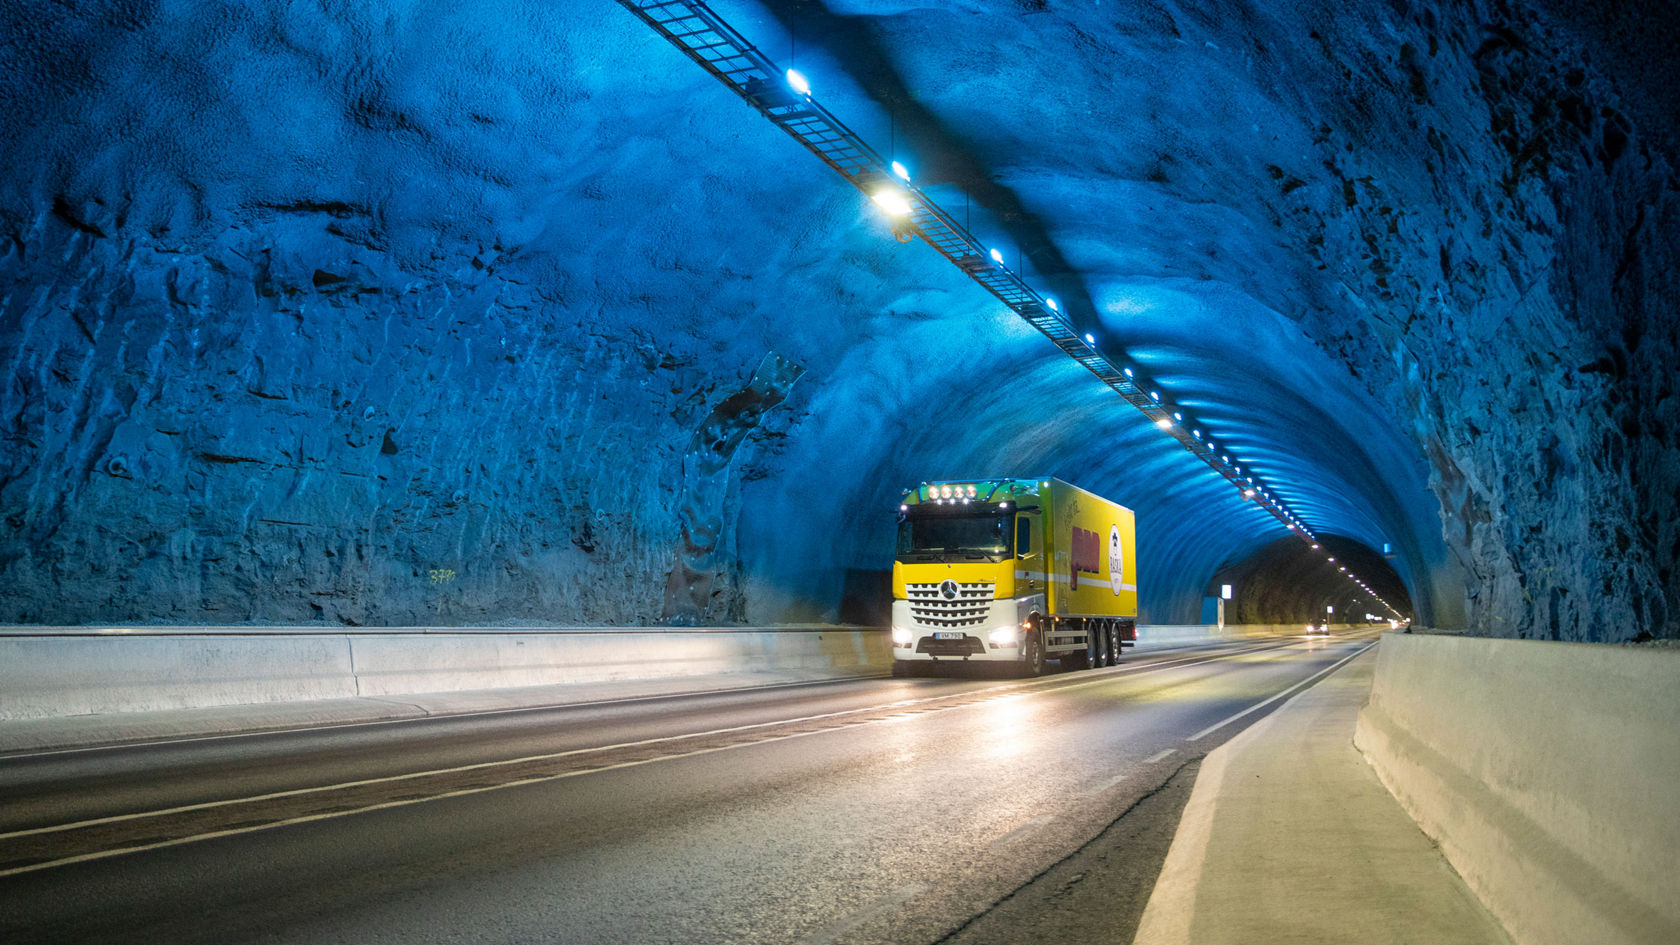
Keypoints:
(386, 314)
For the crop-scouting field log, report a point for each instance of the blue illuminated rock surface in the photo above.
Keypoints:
(430, 313)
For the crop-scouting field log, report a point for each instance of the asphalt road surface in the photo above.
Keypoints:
(897, 811)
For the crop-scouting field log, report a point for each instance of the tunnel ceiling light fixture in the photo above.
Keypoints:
(1164, 423)
(1090, 340)
(702, 35)
(893, 201)
(1052, 303)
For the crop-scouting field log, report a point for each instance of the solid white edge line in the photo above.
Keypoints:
(1159, 755)
(1261, 705)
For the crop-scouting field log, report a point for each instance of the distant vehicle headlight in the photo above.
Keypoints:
(901, 636)
(1005, 636)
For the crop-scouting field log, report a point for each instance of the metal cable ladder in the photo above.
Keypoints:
(699, 32)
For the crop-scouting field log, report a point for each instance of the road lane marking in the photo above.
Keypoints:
(368, 808)
(1104, 787)
(1019, 832)
(979, 695)
(1261, 705)
(1159, 755)
(832, 932)
(428, 716)
(988, 696)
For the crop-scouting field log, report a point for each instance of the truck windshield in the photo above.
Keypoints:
(963, 537)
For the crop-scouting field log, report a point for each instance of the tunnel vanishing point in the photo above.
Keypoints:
(378, 314)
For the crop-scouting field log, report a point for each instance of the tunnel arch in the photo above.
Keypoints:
(456, 296)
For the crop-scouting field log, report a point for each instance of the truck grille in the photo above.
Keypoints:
(931, 606)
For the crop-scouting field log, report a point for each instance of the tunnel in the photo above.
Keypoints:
(365, 314)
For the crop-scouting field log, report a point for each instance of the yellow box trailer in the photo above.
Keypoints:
(1012, 570)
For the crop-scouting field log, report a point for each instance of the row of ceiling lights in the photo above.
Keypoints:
(1355, 579)
(897, 202)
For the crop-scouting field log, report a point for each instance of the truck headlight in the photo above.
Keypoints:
(901, 636)
(1005, 636)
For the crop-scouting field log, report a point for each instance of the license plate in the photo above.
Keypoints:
(948, 635)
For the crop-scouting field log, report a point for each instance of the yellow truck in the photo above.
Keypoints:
(1012, 570)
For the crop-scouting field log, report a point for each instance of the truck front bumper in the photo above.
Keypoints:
(997, 637)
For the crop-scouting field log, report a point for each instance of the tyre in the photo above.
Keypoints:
(1032, 664)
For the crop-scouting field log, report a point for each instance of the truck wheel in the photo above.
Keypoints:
(1033, 662)
(1114, 644)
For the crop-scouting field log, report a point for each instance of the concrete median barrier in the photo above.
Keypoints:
(56, 673)
(390, 665)
(1547, 773)
(1186, 634)
(56, 676)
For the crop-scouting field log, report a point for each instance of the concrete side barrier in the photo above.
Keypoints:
(396, 665)
(63, 674)
(69, 671)
(1211, 633)
(1547, 772)
(51, 677)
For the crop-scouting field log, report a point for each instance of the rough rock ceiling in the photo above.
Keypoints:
(383, 313)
